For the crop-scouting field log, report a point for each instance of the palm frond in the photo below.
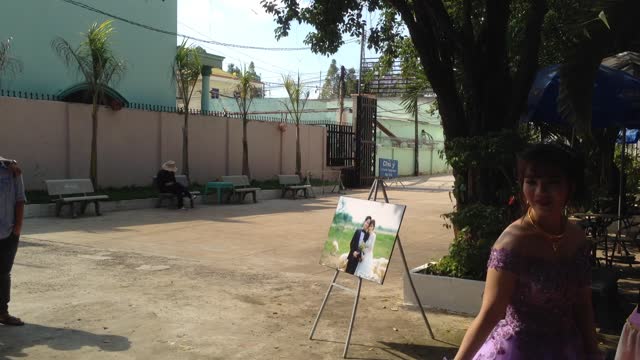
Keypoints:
(245, 91)
(186, 70)
(8, 64)
(298, 98)
(94, 58)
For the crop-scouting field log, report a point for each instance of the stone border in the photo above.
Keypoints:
(454, 295)
(48, 210)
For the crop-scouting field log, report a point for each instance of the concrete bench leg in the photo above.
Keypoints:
(96, 205)
(255, 200)
(74, 214)
(58, 207)
(83, 207)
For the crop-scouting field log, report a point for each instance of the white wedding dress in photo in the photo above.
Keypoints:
(365, 267)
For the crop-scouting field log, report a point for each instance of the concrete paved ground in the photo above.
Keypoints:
(218, 282)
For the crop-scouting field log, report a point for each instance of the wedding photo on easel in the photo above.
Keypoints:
(360, 242)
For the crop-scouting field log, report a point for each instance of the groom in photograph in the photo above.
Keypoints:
(354, 248)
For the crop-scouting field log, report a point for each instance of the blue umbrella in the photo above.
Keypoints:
(632, 136)
(616, 99)
(615, 103)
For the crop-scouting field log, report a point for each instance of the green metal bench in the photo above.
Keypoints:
(293, 184)
(241, 187)
(72, 191)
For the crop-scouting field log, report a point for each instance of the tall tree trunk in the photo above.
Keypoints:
(245, 149)
(298, 153)
(93, 164)
(185, 144)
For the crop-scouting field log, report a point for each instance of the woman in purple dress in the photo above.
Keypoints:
(537, 297)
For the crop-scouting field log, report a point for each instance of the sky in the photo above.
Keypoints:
(386, 215)
(244, 22)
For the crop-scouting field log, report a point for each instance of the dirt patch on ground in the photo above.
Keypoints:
(81, 302)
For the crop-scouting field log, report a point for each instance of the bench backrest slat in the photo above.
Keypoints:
(289, 180)
(237, 180)
(180, 179)
(69, 186)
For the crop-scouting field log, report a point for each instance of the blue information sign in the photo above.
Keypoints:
(388, 168)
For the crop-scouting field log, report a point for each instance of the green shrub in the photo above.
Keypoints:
(469, 252)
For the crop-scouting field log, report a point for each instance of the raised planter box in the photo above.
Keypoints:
(445, 293)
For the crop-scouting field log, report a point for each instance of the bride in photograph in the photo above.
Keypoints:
(365, 267)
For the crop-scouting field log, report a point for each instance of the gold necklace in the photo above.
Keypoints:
(555, 239)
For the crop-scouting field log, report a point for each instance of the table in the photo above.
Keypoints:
(597, 227)
(219, 186)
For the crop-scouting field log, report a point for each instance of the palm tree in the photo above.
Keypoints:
(245, 92)
(8, 64)
(297, 102)
(95, 60)
(186, 69)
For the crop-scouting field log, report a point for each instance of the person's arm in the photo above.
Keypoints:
(17, 227)
(372, 243)
(583, 309)
(583, 314)
(19, 207)
(164, 178)
(497, 294)
(353, 245)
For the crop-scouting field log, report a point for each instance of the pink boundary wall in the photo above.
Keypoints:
(51, 140)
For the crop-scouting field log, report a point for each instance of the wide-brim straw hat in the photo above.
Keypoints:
(3, 159)
(170, 166)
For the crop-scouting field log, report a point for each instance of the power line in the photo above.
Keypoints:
(166, 32)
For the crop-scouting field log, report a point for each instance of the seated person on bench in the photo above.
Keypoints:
(166, 182)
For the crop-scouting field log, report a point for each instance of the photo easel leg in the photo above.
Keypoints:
(353, 318)
(324, 302)
(406, 268)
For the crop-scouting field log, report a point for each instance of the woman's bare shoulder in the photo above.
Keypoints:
(513, 237)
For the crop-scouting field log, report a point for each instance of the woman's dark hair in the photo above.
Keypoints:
(554, 160)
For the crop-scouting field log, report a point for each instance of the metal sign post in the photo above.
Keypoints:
(373, 193)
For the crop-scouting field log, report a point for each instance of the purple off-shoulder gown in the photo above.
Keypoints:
(539, 322)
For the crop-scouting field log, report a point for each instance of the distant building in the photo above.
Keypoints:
(222, 85)
(33, 24)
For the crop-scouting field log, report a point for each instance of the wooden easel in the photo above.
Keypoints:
(373, 193)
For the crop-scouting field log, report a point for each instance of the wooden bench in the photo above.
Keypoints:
(294, 184)
(71, 191)
(180, 179)
(241, 187)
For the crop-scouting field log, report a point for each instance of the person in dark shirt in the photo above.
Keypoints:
(166, 182)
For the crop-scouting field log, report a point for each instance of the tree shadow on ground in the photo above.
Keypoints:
(14, 340)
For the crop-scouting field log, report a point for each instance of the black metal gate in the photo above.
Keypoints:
(340, 142)
(365, 129)
(353, 148)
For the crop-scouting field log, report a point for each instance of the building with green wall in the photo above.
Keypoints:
(33, 24)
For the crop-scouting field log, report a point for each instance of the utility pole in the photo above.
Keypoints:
(362, 40)
(342, 91)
